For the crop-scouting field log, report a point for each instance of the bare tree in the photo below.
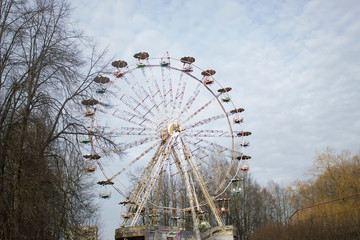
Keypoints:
(44, 76)
(283, 204)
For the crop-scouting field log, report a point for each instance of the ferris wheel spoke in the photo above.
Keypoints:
(135, 144)
(165, 92)
(152, 94)
(188, 171)
(107, 178)
(148, 94)
(137, 131)
(177, 93)
(215, 146)
(134, 133)
(124, 117)
(121, 182)
(147, 109)
(206, 120)
(119, 191)
(197, 151)
(211, 133)
(169, 104)
(137, 104)
(201, 154)
(126, 100)
(158, 91)
(163, 102)
(105, 175)
(202, 108)
(150, 97)
(181, 97)
(136, 83)
(130, 117)
(191, 100)
(135, 160)
(127, 132)
(136, 91)
(155, 104)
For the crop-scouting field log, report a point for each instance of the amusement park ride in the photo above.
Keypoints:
(168, 138)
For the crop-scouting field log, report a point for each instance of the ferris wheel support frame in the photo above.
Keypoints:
(182, 168)
(187, 157)
(142, 183)
(152, 181)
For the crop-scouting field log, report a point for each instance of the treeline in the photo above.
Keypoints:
(44, 73)
(327, 206)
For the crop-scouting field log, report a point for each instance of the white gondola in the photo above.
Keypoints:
(90, 166)
(245, 165)
(208, 80)
(89, 113)
(237, 186)
(187, 68)
(105, 194)
(118, 73)
(224, 205)
(84, 139)
(238, 120)
(226, 99)
(100, 90)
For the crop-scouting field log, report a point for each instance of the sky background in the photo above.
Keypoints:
(294, 66)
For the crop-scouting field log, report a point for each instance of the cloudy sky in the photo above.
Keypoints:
(294, 65)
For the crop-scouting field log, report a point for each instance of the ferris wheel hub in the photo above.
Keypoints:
(173, 129)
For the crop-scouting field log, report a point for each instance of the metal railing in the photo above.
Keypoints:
(298, 211)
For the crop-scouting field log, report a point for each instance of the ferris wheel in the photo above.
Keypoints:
(167, 136)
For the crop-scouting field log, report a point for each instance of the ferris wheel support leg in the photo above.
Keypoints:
(195, 196)
(182, 169)
(201, 182)
(152, 181)
(159, 189)
(142, 183)
(191, 183)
